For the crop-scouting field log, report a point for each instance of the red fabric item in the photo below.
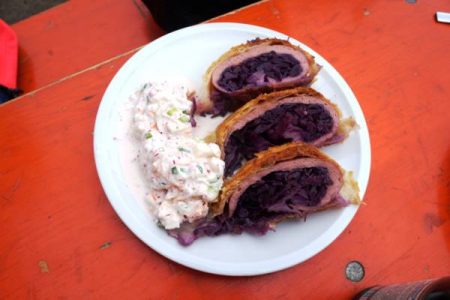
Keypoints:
(8, 56)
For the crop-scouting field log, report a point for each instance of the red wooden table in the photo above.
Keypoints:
(59, 236)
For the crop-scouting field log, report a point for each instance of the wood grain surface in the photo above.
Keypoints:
(60, 238)
(78, 34)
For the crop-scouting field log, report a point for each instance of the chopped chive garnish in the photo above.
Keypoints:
(184, 149)
(171, 111)
(174, 170)
(148, 135)
(214, 180)
(159, 224)
(184, 119)
(200, 169)
(186, 112)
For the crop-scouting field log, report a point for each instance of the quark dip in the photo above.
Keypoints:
(184, 174)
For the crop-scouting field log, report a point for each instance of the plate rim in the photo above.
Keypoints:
(222, 268)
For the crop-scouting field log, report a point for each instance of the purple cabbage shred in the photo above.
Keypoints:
(274, 197)
(257, 71)
(283, 124)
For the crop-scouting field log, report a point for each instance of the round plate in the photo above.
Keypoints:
(188, 53)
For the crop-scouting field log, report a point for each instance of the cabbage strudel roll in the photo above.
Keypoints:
(299, 114)
(283, 182)
(258, 66)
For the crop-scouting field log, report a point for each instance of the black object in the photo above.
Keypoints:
(8, 94)
(430, 289)
(14, 11)
(174, 14)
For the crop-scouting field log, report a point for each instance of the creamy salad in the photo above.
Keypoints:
(184, 174)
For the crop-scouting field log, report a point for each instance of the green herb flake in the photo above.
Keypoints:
(174, 170)
(184, 149)
(148, 135)
(171, 111)
(184, 119)
(214, 180)
(200, 168)
(144, 87)
(212, 189)
(186, 112)
(160, 225)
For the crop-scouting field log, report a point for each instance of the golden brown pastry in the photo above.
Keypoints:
(258, 66)
(299, 114)
(283, 182)
(286, 158)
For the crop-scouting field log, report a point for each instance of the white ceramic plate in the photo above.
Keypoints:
(189, 52)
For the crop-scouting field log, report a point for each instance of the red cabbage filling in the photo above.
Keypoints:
(283, 124)
(224, 103)
(257, 71)
(274, 197)
(278, 194)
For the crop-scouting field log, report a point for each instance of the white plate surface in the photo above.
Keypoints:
(188, 53)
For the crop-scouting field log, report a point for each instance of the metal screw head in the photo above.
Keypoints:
(354, 271)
